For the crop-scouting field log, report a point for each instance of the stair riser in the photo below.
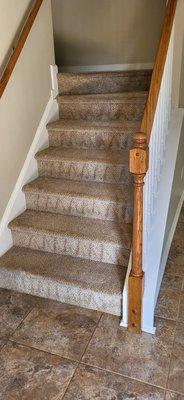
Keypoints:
(79, 206)
(50, 289)
(86, 84)
(81, 139)
(60, 244)
(85, 171)
(101, 110)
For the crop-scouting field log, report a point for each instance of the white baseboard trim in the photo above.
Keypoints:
(54, 81)
(17, 203)
(108, 67)
(124, 321)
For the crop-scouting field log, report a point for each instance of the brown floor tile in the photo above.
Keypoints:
(13, 309)
(173, 396)
(175, 262)
(176, 374)
(171, 281)
(2, 343)
(144, 357)
(28, 374)
(181, 308)
(92, 384)
(178, 239)
(168, 303)
(58, 328)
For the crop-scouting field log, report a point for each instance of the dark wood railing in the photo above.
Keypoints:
(138, 167)
(19, 46)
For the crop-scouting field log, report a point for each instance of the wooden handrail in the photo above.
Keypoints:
(156, 79)
(19, 46)
(138, 167)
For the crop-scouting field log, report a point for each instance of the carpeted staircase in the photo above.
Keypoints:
(73, 242)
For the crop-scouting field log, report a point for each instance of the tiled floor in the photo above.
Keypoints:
(55, 351)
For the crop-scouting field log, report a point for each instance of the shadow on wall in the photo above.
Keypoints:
(107, 32)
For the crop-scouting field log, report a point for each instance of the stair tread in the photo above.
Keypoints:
(87, 274)
(99, 155)
(114, 97)
(97, 230)
(93, 125)
(102, 191)
(106, 74)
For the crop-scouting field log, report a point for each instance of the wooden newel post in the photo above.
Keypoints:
(138, 167)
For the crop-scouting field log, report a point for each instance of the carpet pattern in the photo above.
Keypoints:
(73, 242)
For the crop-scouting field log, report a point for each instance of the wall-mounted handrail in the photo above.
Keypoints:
(139, 165)
(19, 46)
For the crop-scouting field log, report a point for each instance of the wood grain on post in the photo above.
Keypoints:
(138, 167)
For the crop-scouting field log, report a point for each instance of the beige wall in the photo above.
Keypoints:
(90, 32)
(181, 94)
(27, 93)
(12, 14)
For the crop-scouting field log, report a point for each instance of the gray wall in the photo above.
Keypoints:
(178, 185)
(94, 32)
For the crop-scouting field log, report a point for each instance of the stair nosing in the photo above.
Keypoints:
(32, 188)
(108, 126)
(147, 71)
(14, 226)
(20, 268)
(127, 97)
(48, 155)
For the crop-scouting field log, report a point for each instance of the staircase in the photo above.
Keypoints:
(73, 242)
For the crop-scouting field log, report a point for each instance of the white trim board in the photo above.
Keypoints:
(17, 203)
(106, 67)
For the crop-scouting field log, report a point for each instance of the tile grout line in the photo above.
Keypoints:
(122, 375)
(91, 336)
(41, 350)
(9, 338)
(78, 363)
(110, 371)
